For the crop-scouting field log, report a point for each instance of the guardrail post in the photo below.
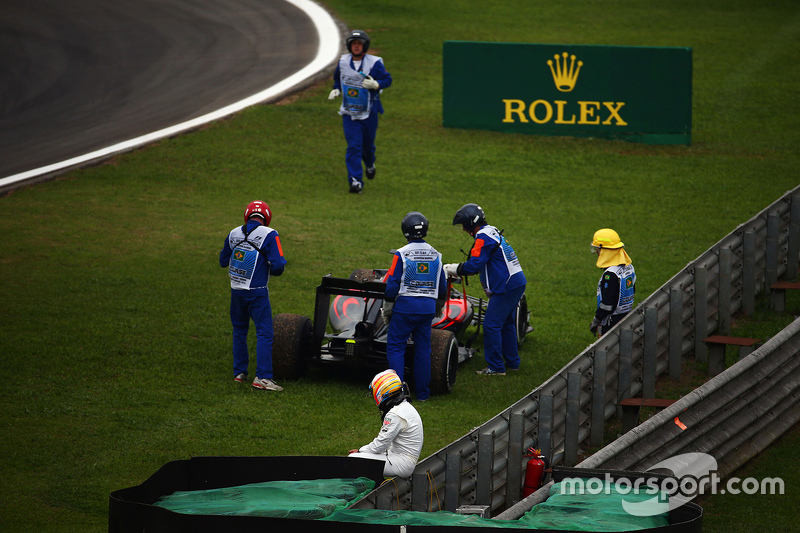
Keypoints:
(749, 273)
(793, 253)
(516, 429)
(724, 296)
(385, 499)
(483, 489)
(625, 367)
(700, 312)
(452, 482)
(419, 491)
(675, 331)
(771, 259)
(573, 419)
(650, 352)
(545, 433)
(598, 397)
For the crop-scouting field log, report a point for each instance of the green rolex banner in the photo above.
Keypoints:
(635, 93)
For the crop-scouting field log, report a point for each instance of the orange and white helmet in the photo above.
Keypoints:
(385, 385)
(258, 208)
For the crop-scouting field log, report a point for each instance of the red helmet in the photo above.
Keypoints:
(258, 208)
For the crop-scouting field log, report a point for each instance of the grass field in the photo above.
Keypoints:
(114, 328)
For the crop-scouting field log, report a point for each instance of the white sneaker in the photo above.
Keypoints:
(266, 384)
(489, 372)
(240, 377)
(356, 186)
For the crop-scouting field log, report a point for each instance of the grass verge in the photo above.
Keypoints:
(114, 332)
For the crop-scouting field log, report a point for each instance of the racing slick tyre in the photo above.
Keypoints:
(290, 345)
(362, 274)
(522, 320)
(444, 361)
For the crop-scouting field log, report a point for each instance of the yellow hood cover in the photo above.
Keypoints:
(610, 257)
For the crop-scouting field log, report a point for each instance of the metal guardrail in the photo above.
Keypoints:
(732, 417)
(485, 467)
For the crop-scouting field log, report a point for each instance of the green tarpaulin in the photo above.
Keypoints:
(596, 506)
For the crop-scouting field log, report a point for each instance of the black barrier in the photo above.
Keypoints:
(131, 510)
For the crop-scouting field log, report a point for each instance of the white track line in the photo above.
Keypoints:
(329, 42)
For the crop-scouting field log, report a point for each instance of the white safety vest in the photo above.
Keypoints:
(512, 264)
(244, 256)
(356, 100)
(627, 284)
(422, 266)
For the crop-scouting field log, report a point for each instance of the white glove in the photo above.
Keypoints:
(369, 83)
(451, 270)
(336, 93)
(386, 312)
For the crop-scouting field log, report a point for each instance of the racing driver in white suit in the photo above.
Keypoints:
(399, 441)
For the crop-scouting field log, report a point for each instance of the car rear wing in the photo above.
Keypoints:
(375, 290)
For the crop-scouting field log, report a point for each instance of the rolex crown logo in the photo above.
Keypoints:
(565, 73)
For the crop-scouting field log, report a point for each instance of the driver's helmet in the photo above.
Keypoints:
(385, 386)
(357, 35)
(414, 225)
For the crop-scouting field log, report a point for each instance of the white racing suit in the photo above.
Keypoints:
(398, 443)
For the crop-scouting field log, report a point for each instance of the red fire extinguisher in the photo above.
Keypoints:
(534, 472)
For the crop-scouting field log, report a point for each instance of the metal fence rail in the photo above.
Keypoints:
(732, 417)
(485, 466)
(723, 415)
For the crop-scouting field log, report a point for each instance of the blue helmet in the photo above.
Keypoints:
(414, 225)
(357, 35)
(469, 216)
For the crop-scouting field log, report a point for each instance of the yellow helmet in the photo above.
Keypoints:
(606, 238)
(609, 249)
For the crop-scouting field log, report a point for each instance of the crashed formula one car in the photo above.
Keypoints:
(348, 328)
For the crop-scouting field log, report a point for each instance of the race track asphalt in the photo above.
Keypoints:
(81, 75)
